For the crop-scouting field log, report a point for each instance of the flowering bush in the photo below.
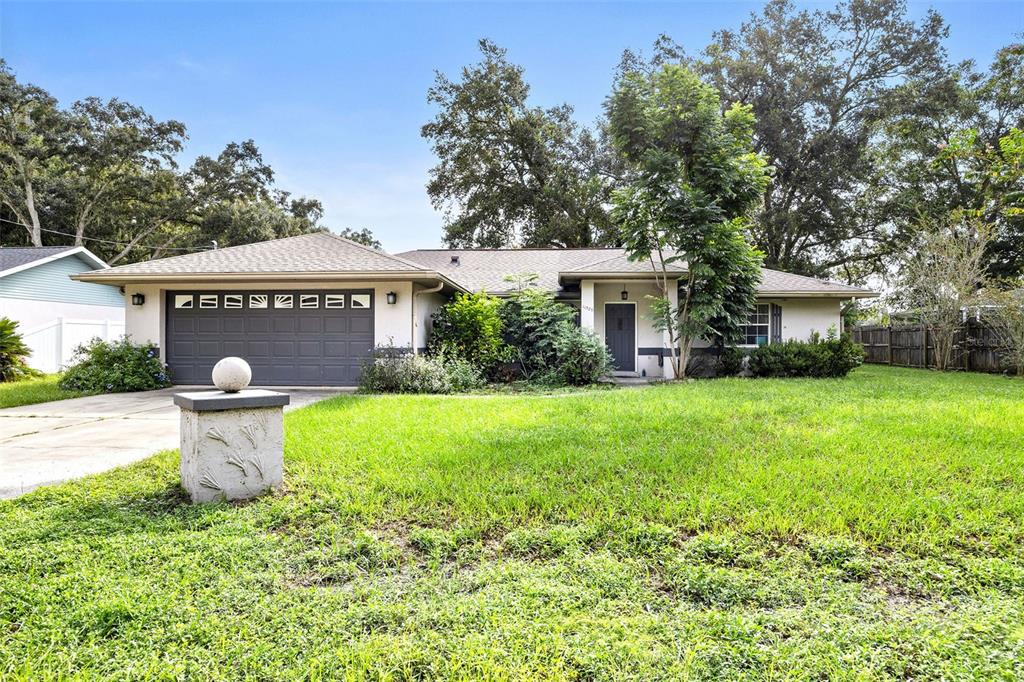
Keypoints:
(397, 370)
(115, 367)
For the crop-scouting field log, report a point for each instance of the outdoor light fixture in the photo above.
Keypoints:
(138, 299)
(392, 297)
(625, 295)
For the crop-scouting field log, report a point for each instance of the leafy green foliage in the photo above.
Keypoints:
(831, 358)
(115, 367)
(13, 353)
(581, 357)
(470, 327)
(509, 173)
(730, 361)
(396, 370)
(695, 180)
(363, 236)
(866, 528)
(820, 82)
(531, 323)
(108, 172)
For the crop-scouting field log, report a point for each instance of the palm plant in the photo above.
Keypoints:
(13, 352)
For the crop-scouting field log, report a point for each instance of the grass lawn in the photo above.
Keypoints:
(858, 529)
(32, 391)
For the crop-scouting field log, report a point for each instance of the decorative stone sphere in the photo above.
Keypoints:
(232, 374)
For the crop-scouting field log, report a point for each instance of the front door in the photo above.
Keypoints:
(620, 334)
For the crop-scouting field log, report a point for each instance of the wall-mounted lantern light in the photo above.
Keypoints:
(625, 294)
(392, 297)
(138, 299)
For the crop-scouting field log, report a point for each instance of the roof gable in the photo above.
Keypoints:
(18, 258)
(308, 253)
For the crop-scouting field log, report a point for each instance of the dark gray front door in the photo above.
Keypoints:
(620, 334)
(295, 337)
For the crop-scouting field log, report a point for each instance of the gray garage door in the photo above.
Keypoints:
(301, 338)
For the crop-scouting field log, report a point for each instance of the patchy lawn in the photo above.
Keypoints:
(866, 528)
(32, 391)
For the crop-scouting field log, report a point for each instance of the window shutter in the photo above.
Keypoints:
(776, 328)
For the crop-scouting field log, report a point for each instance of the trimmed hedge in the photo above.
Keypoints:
(821, 359)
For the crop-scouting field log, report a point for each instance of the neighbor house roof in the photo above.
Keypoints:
(17, 258)
(316, 254)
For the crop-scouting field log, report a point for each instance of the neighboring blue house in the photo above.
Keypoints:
(55, 313)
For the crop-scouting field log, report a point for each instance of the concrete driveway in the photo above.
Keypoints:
(66, 439)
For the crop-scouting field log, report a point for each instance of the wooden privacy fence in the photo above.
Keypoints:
(912, 346)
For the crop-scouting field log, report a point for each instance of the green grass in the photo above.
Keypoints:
(858, 529)
(32, 391)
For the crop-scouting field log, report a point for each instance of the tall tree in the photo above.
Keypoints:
(363, 236)
(105, 174)
(819, 83)
(509, 173)
(696, 179)
(955, 149)
(113, 150)
(32, 132)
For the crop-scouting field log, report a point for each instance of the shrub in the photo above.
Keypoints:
(532, 321)
(470, 327)
(396, 370)
(581, 357)
(831, 358)
(115, 367)
(730, 361)
(13, 353)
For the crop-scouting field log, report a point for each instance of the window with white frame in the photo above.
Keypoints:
(282, 300)
(257, 300)
(183, 301)
(207, 300)
(309, 301)
(757, 329)
(232, 300)
(334, 300)
(360, 300)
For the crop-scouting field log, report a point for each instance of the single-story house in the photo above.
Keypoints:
(308, 310)
(55, 314)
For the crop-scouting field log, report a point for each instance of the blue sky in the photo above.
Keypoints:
(334, 93)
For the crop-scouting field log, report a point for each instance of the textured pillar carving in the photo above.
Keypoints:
(232, 444)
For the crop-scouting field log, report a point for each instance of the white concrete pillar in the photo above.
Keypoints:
(673, 299)
(232, 444)
(587, 304)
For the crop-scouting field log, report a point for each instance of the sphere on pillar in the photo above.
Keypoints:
(231, 374)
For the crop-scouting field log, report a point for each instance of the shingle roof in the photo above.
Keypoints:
(307, 253)
(487, 269)
(620, 263)
(775, 282)
(13, 256)
(474, 269)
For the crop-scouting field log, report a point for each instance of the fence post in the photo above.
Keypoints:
(924, 345)
(888, 343)
(60, 342)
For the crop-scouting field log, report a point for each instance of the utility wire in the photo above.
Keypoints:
(107, 241)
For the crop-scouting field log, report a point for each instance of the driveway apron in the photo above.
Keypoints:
(67, 439)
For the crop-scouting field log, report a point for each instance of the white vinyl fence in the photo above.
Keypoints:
(53, 344)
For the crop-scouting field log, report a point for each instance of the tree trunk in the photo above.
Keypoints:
(35, 229)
